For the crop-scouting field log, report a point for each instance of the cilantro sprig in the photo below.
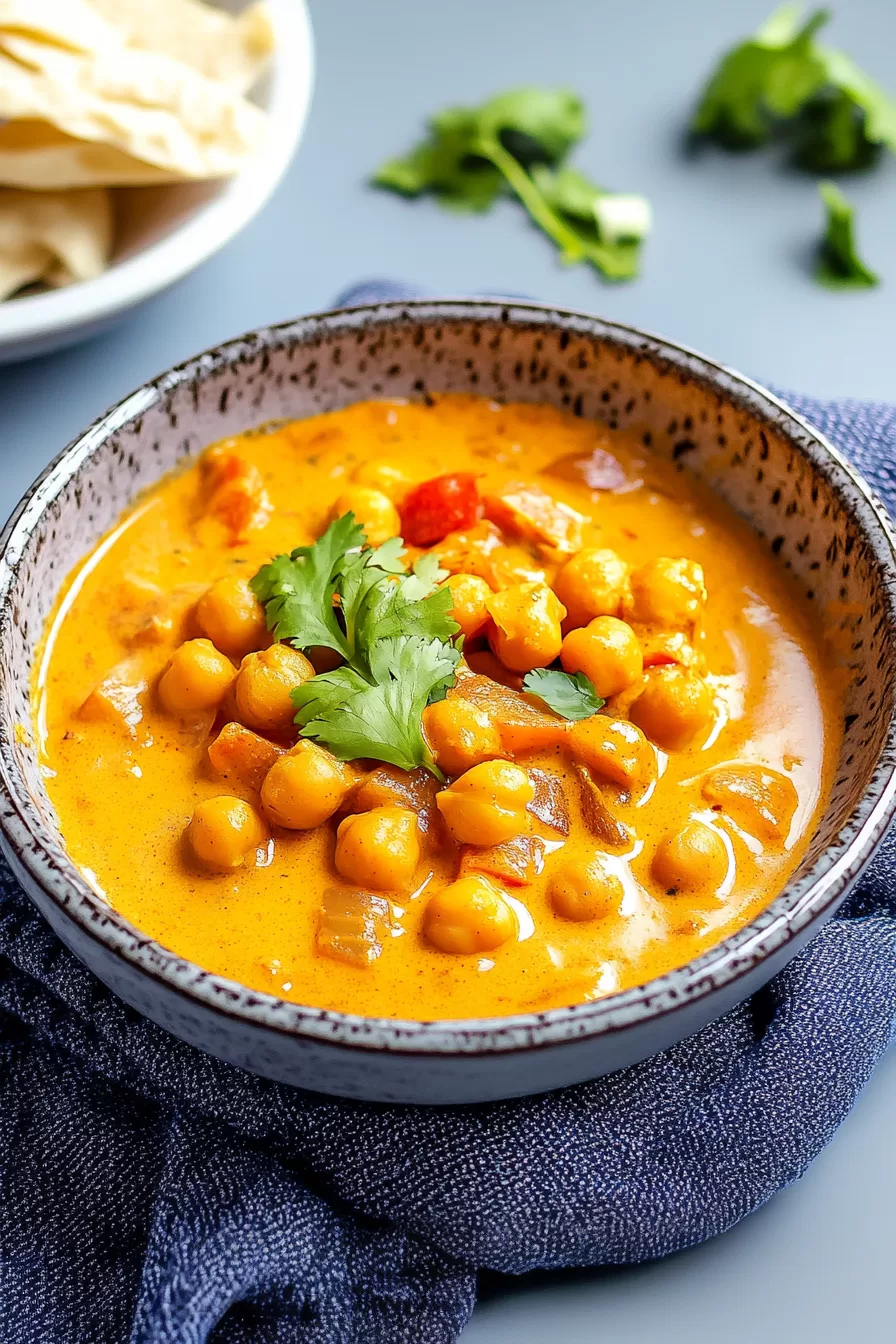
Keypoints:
(392, 627)
(839, 265)
(571, 695)
(782, 82)
(517, 144)
(381, 717)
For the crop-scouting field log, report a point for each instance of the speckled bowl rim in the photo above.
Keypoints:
(812, 898)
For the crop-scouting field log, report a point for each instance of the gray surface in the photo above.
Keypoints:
(725, 272)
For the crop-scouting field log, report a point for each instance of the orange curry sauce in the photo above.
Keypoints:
(125, 774)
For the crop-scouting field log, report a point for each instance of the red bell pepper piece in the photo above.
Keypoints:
(441, 505)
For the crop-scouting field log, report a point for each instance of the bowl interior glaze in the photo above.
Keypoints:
(818, 518)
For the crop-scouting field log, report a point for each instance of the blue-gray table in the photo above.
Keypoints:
(727, 272)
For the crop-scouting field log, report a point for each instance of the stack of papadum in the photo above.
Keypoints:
(97, 94)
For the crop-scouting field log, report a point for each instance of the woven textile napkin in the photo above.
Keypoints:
(152, 1195)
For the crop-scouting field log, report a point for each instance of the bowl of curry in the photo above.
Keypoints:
(443, 701)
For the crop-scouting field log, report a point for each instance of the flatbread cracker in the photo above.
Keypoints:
(147, 105)
(233, 51)
(35, 155)
(75, 24)
(58, 236)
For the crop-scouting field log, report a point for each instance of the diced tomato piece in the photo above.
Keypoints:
(659, 659)
(441, 505)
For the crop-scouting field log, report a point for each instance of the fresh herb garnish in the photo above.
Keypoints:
(782, 82)
(572, 696)
(767, 78)
(393, 628)
(839, 264)
(517, 144)
(336, 595)
(379, 717)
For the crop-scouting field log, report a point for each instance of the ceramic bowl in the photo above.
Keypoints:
(816, 516)
(163, 233)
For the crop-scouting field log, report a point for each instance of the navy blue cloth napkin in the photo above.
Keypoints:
(151, 1194)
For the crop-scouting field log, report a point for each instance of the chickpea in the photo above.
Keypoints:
(692, 859)
(373, 510)
(232, 616)
(304, 788)
(607, 651)
(460, 734)
(196, 679)
(487, 805)
(526, 631)
(592, 583)
(667, 592)
(470, 596)
(263, 700)
(224, 831)
(471, 915)
(614, 749)
(673, 707)
(382, 476)
(379, 849)
(585, 889)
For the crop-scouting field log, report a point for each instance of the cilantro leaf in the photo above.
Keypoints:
(393, 628)
(535, 125)
(573, 697)
(426, 577)
(382, 720)
(770, 76)
(298, 589)
(448, 164)
(516, 143)
(836, 116)
(374, 596)
(610, 226)
(379, 603)
(847, 122)
(839, 265)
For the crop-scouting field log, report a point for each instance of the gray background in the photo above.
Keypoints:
(727, 272)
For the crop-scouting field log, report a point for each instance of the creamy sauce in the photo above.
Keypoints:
(124, 798)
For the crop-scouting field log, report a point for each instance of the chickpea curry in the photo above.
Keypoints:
(434, 710)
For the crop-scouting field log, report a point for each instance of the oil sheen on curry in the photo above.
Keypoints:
(434, 711)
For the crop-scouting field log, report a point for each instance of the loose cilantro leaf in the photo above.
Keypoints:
(847, 122)
(783, 80)
(297, 590)
(448, 164)
(768, 77)
(610, 226)
(829, 134)
(383, 719)
(839, 265)
(516, 144)
(574, 697)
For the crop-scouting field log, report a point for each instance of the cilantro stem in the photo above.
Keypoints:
(544, 216)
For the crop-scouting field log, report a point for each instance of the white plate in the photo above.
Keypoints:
(166, 232)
